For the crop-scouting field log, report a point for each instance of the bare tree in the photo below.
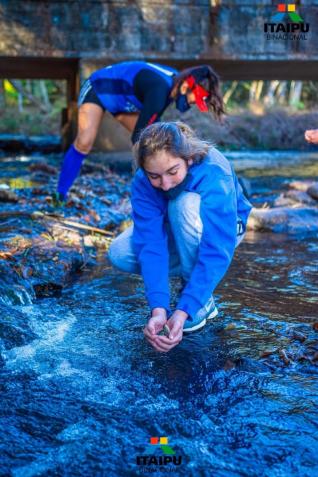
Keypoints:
(256, 89)
(229, 92)
(269, 98)
(45, 95)
(16, 84)
(295, 93)
(281, 92)
(2, 95)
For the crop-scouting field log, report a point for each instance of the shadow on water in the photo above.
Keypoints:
(82, 391)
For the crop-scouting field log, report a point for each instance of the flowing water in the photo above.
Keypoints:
(82, 392)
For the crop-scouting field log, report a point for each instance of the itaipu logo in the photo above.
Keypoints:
(286, 24)
(158, 455)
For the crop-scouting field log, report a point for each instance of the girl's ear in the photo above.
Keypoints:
(184, 87)
(190, 162)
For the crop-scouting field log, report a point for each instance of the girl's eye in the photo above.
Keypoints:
(173, 173)
(153, 178)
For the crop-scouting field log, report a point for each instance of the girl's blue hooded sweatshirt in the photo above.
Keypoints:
(223, 204)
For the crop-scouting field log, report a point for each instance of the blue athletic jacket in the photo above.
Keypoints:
(222, 205)
(114, 84)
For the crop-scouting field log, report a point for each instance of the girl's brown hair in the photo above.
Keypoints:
(209, 79)
(176, 138)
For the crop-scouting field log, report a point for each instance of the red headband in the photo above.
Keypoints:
(199, 92)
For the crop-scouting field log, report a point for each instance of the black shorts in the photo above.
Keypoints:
(88, 95)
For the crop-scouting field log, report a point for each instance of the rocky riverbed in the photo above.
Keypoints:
(82, 391)
(43, 246)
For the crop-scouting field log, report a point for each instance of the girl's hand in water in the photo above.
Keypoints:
(311, 135)
(175, 324)
(155, 325)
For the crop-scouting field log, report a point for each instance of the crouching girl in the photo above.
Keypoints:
(189, 214)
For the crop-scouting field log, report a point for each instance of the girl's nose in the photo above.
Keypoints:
(165, 183)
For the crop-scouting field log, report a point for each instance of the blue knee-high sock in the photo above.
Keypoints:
(71, 166)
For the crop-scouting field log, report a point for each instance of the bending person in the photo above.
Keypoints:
(189, 214)
(136, 93)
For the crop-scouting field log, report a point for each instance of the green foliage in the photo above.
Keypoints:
(268, 94)
(32, 108)
(261, 114)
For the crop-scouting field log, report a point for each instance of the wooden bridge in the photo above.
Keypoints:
(62, 39)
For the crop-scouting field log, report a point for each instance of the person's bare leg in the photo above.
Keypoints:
(89, 119)
(128, 120)
(90, 116)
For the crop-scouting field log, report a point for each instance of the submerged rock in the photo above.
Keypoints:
(284, 219)
(43, 167)
(14, 328)
(8, 196)
(309, 187)
(294, 197)
(23, 143)
(300, 185)
(313, 191)
(294, 211)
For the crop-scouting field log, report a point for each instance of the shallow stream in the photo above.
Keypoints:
(82, 392)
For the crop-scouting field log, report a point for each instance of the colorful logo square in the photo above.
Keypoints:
(154, 440)
(289, 9)
(164, 440)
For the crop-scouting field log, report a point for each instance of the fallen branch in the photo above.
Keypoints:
(40, 215)
(72, 223)
(86, 227)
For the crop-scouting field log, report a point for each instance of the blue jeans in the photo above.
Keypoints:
(184, 229)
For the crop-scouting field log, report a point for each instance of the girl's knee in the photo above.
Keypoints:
(186, 202)
(84, 144)
(186, 209)
(114, 254)
(121, 256)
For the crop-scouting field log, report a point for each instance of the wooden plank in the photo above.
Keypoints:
(67, 68)
(231, 70)
(267, 70)
(43, 68)
(38, 68)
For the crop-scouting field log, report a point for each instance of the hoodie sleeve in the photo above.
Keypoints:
(153, 92)
(219, 218)
(150, 243)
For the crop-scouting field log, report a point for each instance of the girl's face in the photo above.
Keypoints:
(184, 89)
(165, 171)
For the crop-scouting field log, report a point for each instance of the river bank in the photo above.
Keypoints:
(274, 129)
(42, 246)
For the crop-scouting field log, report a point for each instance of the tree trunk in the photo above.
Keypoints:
(45, 95)
(269, 98)
(253, 88)
(281, 92)
(295, 93)
(2, 95)
(229, 92)
(259, 89)
(30, 97)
